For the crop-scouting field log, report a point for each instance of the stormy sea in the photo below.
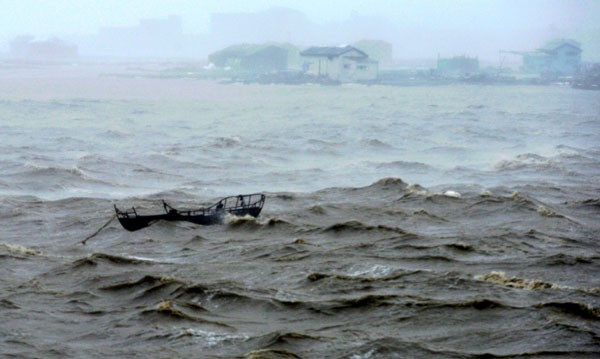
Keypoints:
(456, 221)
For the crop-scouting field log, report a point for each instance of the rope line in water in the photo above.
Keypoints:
(99, 230)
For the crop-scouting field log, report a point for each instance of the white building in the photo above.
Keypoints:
(343, 64)
(561, 57)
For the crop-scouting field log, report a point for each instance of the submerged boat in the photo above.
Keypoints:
(241, 205)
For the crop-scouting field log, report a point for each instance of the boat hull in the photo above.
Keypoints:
(245, 205)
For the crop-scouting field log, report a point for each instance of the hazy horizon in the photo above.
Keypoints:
(416, 30)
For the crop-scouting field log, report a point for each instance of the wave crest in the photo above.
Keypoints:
(168, 309)
(391, 182)
(498, 277)
(95, 258)
(574, 308)
(357, 226)
(17, 249)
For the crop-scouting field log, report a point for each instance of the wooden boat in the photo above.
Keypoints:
(241, 205)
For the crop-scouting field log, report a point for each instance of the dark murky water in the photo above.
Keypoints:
(400, 222)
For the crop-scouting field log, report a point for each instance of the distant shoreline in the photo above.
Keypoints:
(137, 80)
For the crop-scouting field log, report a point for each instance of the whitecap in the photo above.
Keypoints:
(452, 194)
(14, 248)
(499, 277)
(375, 271)
(212, 338)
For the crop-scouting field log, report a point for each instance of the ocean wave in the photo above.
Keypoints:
(533, 162)
(447, 198)
(361, 277)
(115, 134)
(579, 159)
(430, 257)
(39, 170)
(146, 281)
(429, 216)
(96, 258)
(525, 201)
(452, 194)
(376, 143)
(216, 298)
(7, 304)
(219, 296)
(535, 354)
(492, 205)
(211, 338)
(290, 252)
(565, 259)
(547, 212)
(389, 183)
(363, 302)
(167, 309)
(458, 247)
(318, 210)
(254, 223)
(581, 310)
(381, 187)
(197, 238)
(281, 338)
(407, 166)
(17, 249)
(479, 304)
(355, 226)
(593, 203)
(319, 146)
(99, 163)
(343, 262)
(225, 142)
(54, 177)
(446, 150)
(283, 196)
(498, 277)
(271, 354)
(395, 348)
(532, 204)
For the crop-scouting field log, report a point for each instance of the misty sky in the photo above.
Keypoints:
(45, 18)
(56, 17)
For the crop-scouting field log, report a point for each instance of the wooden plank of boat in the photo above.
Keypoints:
(241, 205)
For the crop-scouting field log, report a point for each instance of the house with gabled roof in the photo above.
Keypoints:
(341, 63)
(557, 57)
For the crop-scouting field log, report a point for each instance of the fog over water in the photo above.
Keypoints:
(421, 29)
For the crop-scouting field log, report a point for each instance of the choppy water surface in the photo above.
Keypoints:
(451, 221)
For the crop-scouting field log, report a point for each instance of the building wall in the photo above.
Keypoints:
(352, 70)
(315, 66)
(322, 67)
(370, 71)
(341, 68)
(535, 63)
(565, 60)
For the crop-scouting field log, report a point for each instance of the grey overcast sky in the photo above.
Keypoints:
(416, 28)
(60, 17)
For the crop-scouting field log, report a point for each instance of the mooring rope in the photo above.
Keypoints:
(99, 230)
